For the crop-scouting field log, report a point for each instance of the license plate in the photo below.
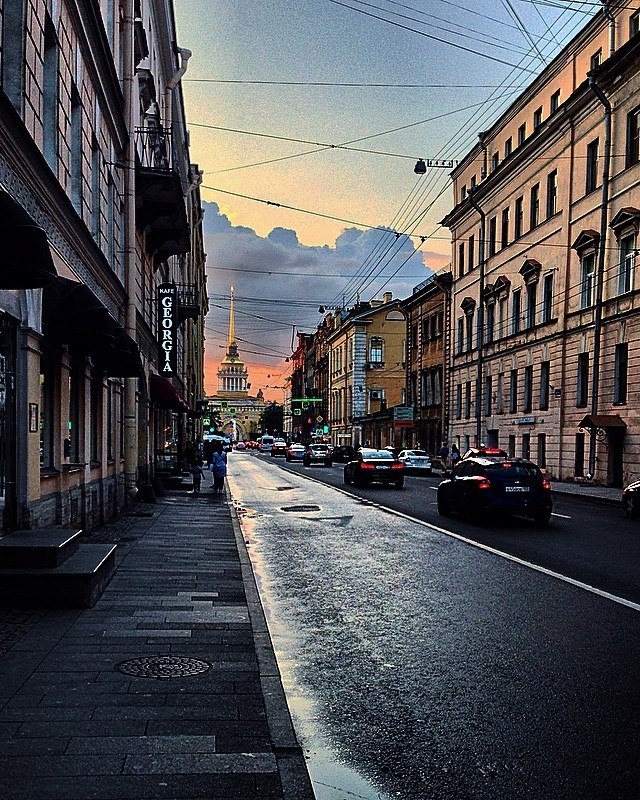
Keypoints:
(382, 467)
(516, 488)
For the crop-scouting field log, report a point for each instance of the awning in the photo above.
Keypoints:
(604, 421)
(25, 258)
(73, 315)
(163, 394)
(124, 360)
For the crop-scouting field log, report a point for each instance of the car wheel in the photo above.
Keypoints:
(399, 484)
(630, 506)
(443, 507)
(542, 518)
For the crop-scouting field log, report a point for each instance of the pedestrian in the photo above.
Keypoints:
(443, 454)
(219, 469)
(455, 455)
(198, 474)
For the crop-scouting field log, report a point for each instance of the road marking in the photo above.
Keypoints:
(507, 556)
(562, 516)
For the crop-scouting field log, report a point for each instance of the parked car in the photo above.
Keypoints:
(631, 500)
(241, 446)
(317, 454)
(374, 466)
(278, 448)
(416, 461)
(295, 452)
(494, 452)
(483, 485)
(343, 452)
(393, 450)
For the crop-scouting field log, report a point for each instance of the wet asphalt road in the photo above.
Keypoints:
(434, 669)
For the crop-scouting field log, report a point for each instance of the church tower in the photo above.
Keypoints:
(232, 375)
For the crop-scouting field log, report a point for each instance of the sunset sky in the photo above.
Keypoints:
(435, 98)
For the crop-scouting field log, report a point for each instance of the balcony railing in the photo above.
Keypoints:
(154, 148)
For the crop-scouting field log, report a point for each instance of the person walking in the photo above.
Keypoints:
(198, 474)
(443, 454)
(219, 469)
(455, 455)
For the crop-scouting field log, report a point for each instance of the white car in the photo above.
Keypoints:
(416, 461)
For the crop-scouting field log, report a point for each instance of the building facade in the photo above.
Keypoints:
(101, 206)
(544, 298)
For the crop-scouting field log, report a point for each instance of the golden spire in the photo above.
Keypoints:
(232, 330)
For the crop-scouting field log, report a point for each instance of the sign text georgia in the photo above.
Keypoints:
(167, 329)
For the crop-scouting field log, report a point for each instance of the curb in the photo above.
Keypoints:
(292, 767)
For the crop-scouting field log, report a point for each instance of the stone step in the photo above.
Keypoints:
(76, 583)
(43, 548)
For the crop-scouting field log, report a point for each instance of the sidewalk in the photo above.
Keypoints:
(167, 688)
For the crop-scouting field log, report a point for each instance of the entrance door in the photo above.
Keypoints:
(8, 498)
(616, 457)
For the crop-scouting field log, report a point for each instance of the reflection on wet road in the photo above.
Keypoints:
(420, 668)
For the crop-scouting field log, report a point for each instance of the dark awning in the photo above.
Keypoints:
(25, 258)
(73, 315)
(163, 394)
(124, 359)
(603, 421)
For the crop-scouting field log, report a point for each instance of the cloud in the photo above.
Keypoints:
(279, 284)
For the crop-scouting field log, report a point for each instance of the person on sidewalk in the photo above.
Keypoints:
(219, 469)
(198, 474)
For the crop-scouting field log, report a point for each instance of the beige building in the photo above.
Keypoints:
(545, 298)
(366, 372)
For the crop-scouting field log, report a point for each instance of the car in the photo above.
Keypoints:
(631, 500)
(317, 454)
(241, 446)
(278, 448)
(374, 466)
(295, 452)
(393, 450)
(343, 452)
(480, 486)
(494, 452)
(416, 461)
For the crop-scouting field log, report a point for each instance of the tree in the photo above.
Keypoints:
(273, 419)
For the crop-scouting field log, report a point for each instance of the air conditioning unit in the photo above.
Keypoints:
(376, 394)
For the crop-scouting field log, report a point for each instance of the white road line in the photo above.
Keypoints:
(562, 516)
(507, 556)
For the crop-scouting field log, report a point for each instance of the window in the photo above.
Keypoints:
(620, 374)
(627, 258)
(634, 24)
(555, 102)
(596, 60)
(72, 449)
(376, 350)
(47, 415)
(463, 193)
(526, 446)
(534, 207)
(508, 147)
(542, 450)
(545, 374)
(587, 273)
(488, 392)
(532, 299)
(467, 400)
(472, 182)
(472, 241)
(504, 237)
(537, 118)
(495, 160)
(96, 212)
(414, 336)
(459, 401)
(511, 445)
(13, 46)
(460, 335)
(582, 388)
(578, 464)
(515, 311)
(492, 236)
(513, 391)
(522, 133)
(502, 315)
(461, 259)
(110, 415)
(528, 388)
(95, 423)
(518, 217)
(491, 316)
(469, 326)
(547, 298)
(499, 396)
(591, 181)
(633, 138)
(552, 193)
(50, 98)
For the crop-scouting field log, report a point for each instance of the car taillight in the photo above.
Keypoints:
(367, 466)
(397, 466)
(484, 483)
(546, 484)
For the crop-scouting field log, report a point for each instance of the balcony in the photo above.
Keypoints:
(188, 301)
(160, 206)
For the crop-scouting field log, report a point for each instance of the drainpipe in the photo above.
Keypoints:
(131, 384)
(606, 10)
(185, 55)
(602, 250)
(481, 278)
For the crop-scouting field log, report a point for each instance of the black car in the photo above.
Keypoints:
(278, 448)
(631, 500)
(317, 454)
(343, 452)
(483, 485)
(374, 466)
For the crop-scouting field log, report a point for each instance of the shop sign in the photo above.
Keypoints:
(403, 413)
(167, 329)
(526, 421)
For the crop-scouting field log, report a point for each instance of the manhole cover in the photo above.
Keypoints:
(301, 508)
(163, 667)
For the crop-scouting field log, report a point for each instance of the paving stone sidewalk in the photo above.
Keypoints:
(82, 715)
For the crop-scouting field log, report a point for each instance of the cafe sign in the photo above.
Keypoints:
(167, 329)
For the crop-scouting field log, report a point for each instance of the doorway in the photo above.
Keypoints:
(8, 492)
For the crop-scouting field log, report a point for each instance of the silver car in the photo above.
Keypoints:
(416, 461)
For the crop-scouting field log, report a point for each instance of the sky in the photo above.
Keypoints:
(294, 222)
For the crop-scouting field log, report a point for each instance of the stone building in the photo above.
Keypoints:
(100, 207)
(545, 309)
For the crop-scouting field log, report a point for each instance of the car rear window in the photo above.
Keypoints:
(507, 469)
(376, 454)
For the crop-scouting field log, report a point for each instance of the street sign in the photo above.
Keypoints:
(403, 413)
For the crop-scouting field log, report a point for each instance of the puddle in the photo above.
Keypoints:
(300, 508)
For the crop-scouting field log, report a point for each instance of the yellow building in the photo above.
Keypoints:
(545, 298)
